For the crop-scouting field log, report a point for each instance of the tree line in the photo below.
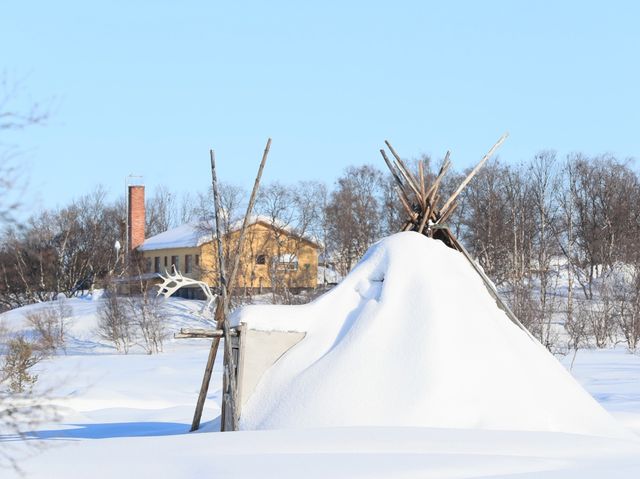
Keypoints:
(559, 237)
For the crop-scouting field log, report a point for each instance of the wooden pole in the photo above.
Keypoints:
(229, 399)
(411, 180)
(219, 314)
(443, 170)
(423, 187)
(412, 214)
(466, 181)
(396, 175)
(245, 222)
(222, 306)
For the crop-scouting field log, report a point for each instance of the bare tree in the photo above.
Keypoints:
(543, 187)
(354, 218)
(601, 315)
(63, 250)
(275, 202)
(160, 211)
(19, 409)
(626, 298)
(487, 221)
(115, 324)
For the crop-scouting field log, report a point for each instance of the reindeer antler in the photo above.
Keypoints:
(173, 282)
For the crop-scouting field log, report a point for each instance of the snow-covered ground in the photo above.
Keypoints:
(129, 416)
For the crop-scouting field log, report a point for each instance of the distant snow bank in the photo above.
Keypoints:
(411, 337)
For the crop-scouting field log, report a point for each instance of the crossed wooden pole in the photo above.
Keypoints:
(229, 400)
(420, 201)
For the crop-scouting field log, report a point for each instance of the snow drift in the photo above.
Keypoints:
(411, 337)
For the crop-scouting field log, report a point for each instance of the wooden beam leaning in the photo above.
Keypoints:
(443, 218)
(245, 222)
(423, 186)
(412, 214)
(443, 171)
(411, 180)
(466, 181)
(396, 175)
(430, 212)
(222, 306)
(229, 399)
(213, 351)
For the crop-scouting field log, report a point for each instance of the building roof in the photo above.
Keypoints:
(188, 235)
(192, 235)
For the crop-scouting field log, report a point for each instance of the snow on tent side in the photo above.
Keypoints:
(411, 337)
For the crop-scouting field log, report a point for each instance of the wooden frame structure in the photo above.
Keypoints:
(420, 201)
(231, 345)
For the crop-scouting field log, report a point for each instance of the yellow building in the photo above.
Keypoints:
(272, 256)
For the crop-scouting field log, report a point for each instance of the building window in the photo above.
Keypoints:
(261, 259)
(147, 265)
(287, 262)
(156, 264)
(175, 262)
(166, 263)
(197, 260)
(187, 263)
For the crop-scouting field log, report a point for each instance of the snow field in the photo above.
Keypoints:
(129, 416)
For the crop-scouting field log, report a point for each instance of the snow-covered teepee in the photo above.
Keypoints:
(411, 337)
(414, 336)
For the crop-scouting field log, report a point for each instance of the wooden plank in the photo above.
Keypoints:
(187, 333)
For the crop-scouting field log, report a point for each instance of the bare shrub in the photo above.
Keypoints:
(50, 325)
(114, 321)
(150, 320)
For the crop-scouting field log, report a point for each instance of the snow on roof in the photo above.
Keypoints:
(192, 235)
(411, 337)
(188, 235)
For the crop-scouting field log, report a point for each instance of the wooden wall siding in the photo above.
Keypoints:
(262, 239)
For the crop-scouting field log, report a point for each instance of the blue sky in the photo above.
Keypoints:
(148, 87)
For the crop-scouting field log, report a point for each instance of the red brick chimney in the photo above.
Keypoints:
(136, 220)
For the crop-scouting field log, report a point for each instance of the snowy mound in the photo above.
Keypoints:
(411, 337)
